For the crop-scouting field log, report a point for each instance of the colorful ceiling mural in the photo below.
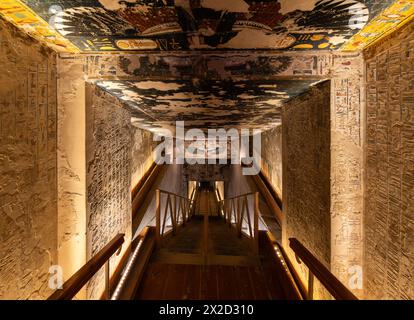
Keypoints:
(383, 24)
(203, 104)
(26, 19)
(173, 25)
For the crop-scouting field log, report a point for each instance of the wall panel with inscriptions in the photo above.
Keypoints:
(142, 157)
(108, 159)
(28, 205)
(272, 157)
(389, 211)
(306, 174)
(347, 167)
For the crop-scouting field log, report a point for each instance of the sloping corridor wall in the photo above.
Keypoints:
(389, 208)
(28, 168)
(306, 173)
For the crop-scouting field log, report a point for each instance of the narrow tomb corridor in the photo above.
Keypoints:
(207, 150)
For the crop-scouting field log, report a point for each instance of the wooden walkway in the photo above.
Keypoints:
(197, 282)
(226, 268)
(180, 270)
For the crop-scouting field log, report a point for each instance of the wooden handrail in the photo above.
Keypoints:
(141, 191)
(316, 268)
(271, 189)
(134, 271)
(277, 265)
(75, 283)
(240, 196)
(269, 198)
(328, 280)
(179, 209)
(295, 276)
(238, 208)
(142, 181)
(173, 194)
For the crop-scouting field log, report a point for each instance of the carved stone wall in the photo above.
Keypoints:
(71, 167)
(389, 210)
(235, 65)
(204, 172)
(142, 158)
(108, 181)
(272, 157)
(306, 174)
(28, 198)
(347, 163)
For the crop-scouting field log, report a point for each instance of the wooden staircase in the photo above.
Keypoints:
(231, 270)
(206, 203)
(200, 248)
(226, 267)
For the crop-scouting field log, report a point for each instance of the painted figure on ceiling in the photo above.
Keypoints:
(209, 24)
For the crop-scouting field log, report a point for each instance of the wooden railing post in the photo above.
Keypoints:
(158, 217)
(249, 220)
(170, 207)
(310, 285)
(184, 209)
(232, 209)
(240, 216)
(174, 215)
(107, 283)
(222, 209)
(206, 231)
(256, 222)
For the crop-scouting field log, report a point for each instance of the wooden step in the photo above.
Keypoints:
(195, 282)
(167, 257)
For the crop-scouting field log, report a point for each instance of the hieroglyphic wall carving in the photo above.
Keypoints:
(272, 157)
(28, 212)
(389, 211)
(347, 109)
(204, 172)
(142, 153)
(306, 174)
(347, 127)
(217, 66)
(109, 168)
(71, 167)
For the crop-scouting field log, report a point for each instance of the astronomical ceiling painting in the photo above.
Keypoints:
(180, 25)
(203, 104)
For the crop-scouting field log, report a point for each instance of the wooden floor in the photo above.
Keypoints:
(180, 270)
(206, 203)
(222, 240)
(226, 268)
(197, 282)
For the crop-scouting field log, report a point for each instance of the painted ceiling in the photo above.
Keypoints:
(173, 25)
(183, 25)
(204, 104)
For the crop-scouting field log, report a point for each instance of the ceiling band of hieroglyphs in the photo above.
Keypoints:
(176, 25)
